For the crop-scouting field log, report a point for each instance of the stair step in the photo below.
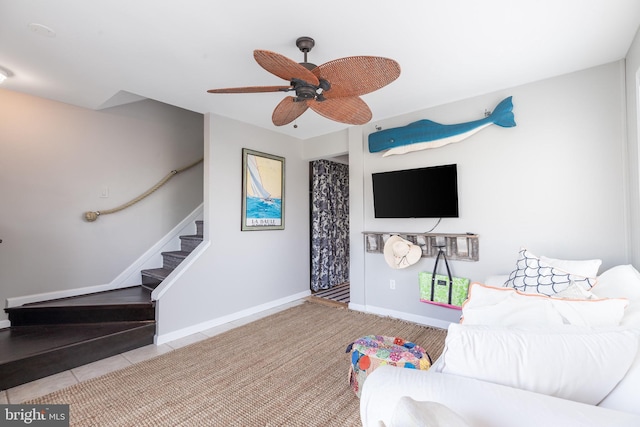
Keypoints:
(190, 242)
(127, 304)
(200, 227)
(152, 277)
(170, 260)
(28, 353)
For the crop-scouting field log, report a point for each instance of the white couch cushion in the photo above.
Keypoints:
(412, 413)
(624, 281)
(480, 403)
(547, 360)
(489, 305)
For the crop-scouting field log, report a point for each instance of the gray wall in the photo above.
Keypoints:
(556, 184)
(241, 270)
(54, 161)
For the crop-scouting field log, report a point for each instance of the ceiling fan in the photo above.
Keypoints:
(332, 89)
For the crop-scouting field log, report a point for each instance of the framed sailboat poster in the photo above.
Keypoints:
(262, 191)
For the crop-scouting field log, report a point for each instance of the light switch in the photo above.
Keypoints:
(104, 192)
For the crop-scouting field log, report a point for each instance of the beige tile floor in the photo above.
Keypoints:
(64, 379)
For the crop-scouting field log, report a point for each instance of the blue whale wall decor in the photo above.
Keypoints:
(425, 134)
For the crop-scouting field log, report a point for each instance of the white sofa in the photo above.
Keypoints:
(519, 368)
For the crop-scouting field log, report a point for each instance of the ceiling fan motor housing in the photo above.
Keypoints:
(306, 90)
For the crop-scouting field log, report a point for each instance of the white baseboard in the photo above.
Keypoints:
(131, 275)
(4, 324)
(422, 320)
(181, 333)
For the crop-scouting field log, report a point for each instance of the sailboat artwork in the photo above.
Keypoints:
(263, 185)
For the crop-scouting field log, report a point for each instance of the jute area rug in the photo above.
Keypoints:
(288, 369)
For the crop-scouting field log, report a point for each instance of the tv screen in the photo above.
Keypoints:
(430, 192)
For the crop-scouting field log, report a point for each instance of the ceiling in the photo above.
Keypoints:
(104, 53)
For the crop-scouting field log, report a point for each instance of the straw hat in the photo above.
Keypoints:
(400, 253)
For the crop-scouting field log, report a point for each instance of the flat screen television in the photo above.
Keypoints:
(430, 192)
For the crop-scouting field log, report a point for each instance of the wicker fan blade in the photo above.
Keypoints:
(357, 75)
(283, 67)
(351, 110)
(252, 89)
(288, 110)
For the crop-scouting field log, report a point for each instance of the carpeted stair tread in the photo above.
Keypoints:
(182, 254)
(157, 273)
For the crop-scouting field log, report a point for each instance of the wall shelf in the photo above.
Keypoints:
(462, 247)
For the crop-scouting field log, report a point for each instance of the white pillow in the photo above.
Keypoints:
(585, 268)
(575, 292)
(563, 361)
(532, 275)
(412, 413)
(489, 305)
(622, 281)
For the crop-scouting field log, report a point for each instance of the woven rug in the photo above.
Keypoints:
(288, 369)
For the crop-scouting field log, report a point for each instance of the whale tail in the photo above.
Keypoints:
(502, 115)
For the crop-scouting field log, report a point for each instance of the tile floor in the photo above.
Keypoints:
(64, 379)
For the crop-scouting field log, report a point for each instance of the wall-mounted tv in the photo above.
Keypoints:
(430, 192)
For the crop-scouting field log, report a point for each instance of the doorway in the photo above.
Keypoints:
(329, 227)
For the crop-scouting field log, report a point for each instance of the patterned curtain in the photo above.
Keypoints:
(329, 224)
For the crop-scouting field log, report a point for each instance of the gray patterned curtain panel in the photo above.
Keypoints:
(329, 224)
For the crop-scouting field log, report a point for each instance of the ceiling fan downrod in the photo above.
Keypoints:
(305, 44)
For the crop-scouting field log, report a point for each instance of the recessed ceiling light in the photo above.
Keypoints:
(42, 30)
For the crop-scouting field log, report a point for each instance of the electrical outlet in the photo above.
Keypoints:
(392, 284)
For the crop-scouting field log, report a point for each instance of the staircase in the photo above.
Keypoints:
(53, 336)
(153, 277)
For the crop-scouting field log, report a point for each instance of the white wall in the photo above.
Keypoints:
(54, 161)
(241, 271)
(633, 137)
